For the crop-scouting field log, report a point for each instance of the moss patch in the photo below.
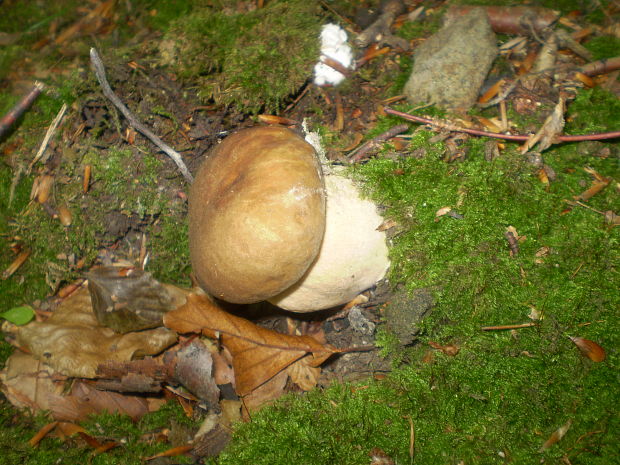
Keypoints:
(255, 60)
(502, 396)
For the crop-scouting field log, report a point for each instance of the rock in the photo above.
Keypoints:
(451, 66)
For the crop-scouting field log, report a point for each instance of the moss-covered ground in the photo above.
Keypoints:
(501, 397)
(495, 402)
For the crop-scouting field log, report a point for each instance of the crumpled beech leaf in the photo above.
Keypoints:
(258, 353)
(73, 343)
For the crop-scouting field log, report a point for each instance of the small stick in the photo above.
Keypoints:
(376, 142)
(20, 108)
(334, 64)
(109, 93)
(504, 327)
(48, 135)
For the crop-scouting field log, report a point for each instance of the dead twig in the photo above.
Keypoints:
(601, 66)
(20, 108)
(109, 93)
(380, 29)
(505, 327)
(515, 137)
(362, 151)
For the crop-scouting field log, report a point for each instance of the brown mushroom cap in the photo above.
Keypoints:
(256, 214)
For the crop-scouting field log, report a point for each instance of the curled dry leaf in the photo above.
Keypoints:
(589, 348)
(258, 354)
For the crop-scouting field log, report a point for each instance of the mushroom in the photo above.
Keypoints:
(265, 224)
(256, 214)
(353, 255)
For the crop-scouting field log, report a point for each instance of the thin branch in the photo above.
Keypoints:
(516, 137)
(19, 109)
(109, 93)
(376, 142)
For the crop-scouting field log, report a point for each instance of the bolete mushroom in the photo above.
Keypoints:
(353, 255)
(265, 224)
(256, 214)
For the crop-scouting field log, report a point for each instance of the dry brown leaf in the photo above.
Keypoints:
(304, 375)
(449, 349)
(73, 343)
(556, 436)
(441, 212)
(27, 383)
(69, 429)
(378, 457)
(589, 348)
(265, 393)
(223, 372)
(85, 400)
(258, 353)
(387, 224)
(551, 128)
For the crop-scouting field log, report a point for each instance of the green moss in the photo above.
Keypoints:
(593, 110)
(134, 438)
(254, 60)
(603, 47)
(504, 393)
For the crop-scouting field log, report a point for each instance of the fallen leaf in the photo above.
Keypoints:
(258, 353)
(28, 383)
(84, 400)
(73, 343)
(194, 370)
(378, 457)
(449, 349)
(387, 224)
(556, 436)
(441, 212)
(265, 394)
(551, 128)
(535, 314)
(589, 348)
(303, 374)
(19, 315)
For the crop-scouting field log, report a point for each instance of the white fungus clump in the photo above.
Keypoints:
(333, 45)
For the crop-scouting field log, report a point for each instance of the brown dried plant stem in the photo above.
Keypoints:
(515, 137)
(109, 93)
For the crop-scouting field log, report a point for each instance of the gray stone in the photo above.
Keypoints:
(450, 66)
